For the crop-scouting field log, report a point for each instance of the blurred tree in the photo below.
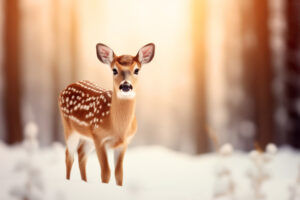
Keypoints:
(59, 57)
(257, 68)
(277, 24)
(199, 15)
(263, 74)
(55, 71)
(74, 40)
(11, 71)
(239, 52)
(292, 72)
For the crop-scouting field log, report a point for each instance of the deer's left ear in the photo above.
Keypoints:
(104, 53)
(146, 53)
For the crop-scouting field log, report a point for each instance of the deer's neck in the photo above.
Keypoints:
(122, 112)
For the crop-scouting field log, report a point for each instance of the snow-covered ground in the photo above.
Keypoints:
(151, 172)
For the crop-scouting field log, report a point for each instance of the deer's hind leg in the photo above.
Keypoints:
(72, 145)
(83, 151)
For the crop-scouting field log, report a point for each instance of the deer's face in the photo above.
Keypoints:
(125, 71)
(125, 68)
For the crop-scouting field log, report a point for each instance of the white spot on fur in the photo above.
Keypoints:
(88, 147)
(72, 143)
(78, 121)
(129, 138)
(106, 139)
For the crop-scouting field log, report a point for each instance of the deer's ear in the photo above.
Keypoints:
(146, 53)
(104, 53)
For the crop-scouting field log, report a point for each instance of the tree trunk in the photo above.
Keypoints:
(239, 76)
(249, 67)
(263, 74)
(12, 88)
(292, 72)
(74, 40)
(55, 72)
(200, 117)
(258, 69)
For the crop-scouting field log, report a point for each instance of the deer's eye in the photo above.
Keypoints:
(115, 71)
(136, 71)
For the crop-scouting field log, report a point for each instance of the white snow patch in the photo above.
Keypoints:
(150, 172)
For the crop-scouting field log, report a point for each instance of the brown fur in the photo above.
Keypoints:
(125, 60)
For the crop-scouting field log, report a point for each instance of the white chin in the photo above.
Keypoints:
(126, 95)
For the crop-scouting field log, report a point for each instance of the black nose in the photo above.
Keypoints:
(125, 87)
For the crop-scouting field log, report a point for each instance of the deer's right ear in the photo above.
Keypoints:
(146, 53)
(104, 53)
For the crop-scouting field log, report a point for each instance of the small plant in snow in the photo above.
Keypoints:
(295, 188)
(32, 188)
(31, 143)
(258, 174)
(224, 184)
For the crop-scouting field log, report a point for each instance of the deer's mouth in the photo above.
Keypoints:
(126, 90)
(126, 95)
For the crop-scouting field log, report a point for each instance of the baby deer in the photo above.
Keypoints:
(96, 118)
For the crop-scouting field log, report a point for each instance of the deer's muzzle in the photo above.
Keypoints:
(125, 86)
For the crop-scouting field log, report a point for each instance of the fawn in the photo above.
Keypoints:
(94, 118)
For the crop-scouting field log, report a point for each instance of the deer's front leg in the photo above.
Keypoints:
(102, 156)
(119, 154)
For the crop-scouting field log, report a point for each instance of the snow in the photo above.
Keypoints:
(150, 172)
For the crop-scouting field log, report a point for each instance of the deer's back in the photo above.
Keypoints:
(85, 104)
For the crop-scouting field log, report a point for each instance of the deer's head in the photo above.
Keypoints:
(125, 68)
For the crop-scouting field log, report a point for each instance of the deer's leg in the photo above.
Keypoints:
(82, 158)
(69, 163)
(119, 154)
(102, 156)
(72, 144)
(83, 152)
